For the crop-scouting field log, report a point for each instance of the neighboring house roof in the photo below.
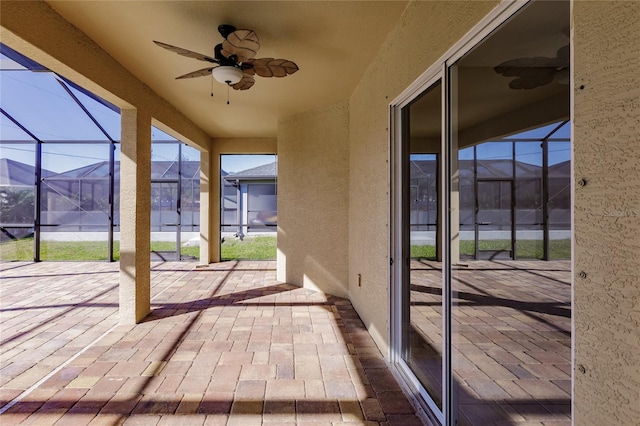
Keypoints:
(95, 170)
(169, 169)
(560, 169)
(15, 173)
(486, 168)
(266, 171)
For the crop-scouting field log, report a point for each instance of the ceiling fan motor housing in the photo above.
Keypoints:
(225, 30)
(227, 74)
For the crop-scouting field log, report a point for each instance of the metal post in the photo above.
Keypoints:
(37, 203)
(79, 202)
(514, 241)
(476, 205)
(239, 209)
(545, 198)
(179, 204)
(111, 220)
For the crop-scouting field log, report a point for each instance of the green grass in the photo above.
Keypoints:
(22, 250)
(255, 248)
(526, 249)
(423, 252)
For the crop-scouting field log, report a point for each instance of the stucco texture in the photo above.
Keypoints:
(607, 212)
(135, 218)
(423, 34)
(313, 183)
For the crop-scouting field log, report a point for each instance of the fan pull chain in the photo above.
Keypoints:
(228, 86)
(212, 85)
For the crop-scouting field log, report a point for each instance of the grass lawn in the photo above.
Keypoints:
(254, 248)
(22, 250)
(526, 249)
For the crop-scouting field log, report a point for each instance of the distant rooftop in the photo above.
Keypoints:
(266, 171)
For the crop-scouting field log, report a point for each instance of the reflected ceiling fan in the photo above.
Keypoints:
(234, 59)
(537, 71)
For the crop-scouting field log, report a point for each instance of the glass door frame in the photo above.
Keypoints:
(400, 255)
(442, 71)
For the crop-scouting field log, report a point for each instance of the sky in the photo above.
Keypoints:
(237, 163)
(41, 104)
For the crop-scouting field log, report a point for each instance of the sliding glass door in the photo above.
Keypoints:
(481, 305)
(422, 286)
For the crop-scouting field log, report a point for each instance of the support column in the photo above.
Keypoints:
(135, 216)
(209, 208)
(214, 206)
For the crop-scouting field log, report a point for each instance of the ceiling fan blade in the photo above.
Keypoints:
(270, 67)
(514, 67)
(187, 53)
(563, 56)
(244, 84)
(200, 73)
(242, 43)
(530, 78)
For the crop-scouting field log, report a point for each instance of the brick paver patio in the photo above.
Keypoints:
(511, 331)
(226, 344)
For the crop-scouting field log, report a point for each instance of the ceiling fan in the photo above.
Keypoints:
(537, 71)
(234, 59)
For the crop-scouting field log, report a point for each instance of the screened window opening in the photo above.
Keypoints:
(60, 171)
(248, 206)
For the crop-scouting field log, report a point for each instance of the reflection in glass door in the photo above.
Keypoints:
(510, 318)
(479, 335)
(494, 219)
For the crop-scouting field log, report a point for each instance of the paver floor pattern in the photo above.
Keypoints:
(225, 344)
(511, 331)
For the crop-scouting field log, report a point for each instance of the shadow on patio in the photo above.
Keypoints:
(225, 344)
(511, 332)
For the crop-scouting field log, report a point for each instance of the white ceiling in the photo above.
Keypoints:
(331, 41)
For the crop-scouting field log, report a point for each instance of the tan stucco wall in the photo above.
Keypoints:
(135, 217)
(425, 31)
(606, 140)
(313, 173)
(34, 29)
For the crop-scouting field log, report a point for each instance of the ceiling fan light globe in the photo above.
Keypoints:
(227, 74)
